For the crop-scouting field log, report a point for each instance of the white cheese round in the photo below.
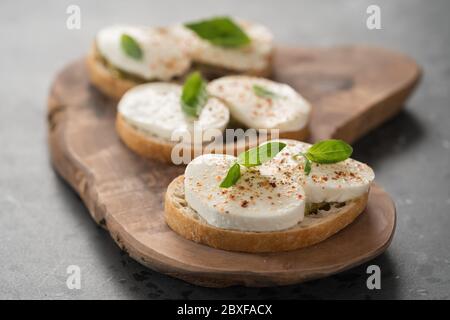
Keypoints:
(338, 182)
(254, 56)
(257, 202)
(287, 112)
(155, 109)
(162, 57)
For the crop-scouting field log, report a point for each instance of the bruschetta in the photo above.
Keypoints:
(125, 56)
(272, 207)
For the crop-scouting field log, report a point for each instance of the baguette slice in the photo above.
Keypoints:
(212, 72)
(115, 87)
(152, 147)
(104, 80)
(313, 229)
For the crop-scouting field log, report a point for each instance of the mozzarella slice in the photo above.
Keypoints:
(255, 203)
(155, 109)
(255, 56)
(162, 57)
(287, 112)
(338, 182)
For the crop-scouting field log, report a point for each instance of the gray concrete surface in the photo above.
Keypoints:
(44, 227)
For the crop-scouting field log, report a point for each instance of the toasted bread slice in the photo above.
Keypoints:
(153, 147)
(114, 86)
(313, 229)
(106, 81)
(212, 72)
(145, 145)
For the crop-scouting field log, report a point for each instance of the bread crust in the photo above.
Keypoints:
(311, 231)
(211, 72)
(104, 80)
(301, 135)
(142, 144)
(160, 150)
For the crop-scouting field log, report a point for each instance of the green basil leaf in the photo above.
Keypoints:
(220, 31)
(258, 155)
(194, 95)
(307, 166)
(131, 47)
(329, 151)
(262, 92)
(233, 175)
(308, 163)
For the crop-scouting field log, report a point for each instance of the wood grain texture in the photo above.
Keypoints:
(352, 90)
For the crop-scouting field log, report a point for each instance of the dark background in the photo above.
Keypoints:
(44, 227)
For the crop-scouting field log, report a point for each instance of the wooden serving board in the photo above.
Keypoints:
(352, 90)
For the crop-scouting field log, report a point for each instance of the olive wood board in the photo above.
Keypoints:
(352, 89)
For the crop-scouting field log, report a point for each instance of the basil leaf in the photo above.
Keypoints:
(220, 31)
(262, 92)
(131, 47)
(307, 166)
(251, 158)
(194, 95)
(329, 151)
(258, 155)
(233, 175)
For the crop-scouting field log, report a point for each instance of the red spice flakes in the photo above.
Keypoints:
(299, 197)
(339, 173)
(244, 204)
(273, 184)
(170, 64)
(264, 183)
(161, 30)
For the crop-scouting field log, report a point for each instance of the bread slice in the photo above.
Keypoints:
(145, 145)
(153, 147)
(313, 229)
(211, 72)
(115, 86)
(104, 80)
